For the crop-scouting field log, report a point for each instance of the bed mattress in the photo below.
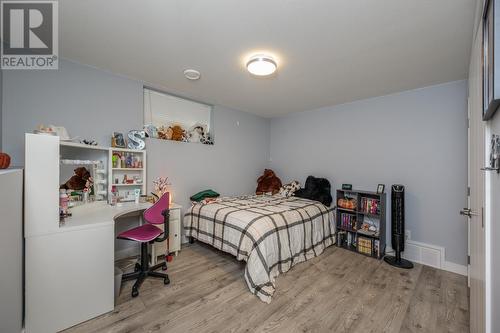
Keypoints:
(270, 233)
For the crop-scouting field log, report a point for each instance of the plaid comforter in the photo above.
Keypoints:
(271, 233)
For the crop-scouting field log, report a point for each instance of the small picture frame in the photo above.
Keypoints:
(118, 140)
(380, 188)
(347, 187)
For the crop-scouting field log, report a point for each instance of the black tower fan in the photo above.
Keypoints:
(398, 228)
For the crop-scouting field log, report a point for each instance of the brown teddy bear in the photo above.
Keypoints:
(268, 182)
(177, 133)
(79, 181)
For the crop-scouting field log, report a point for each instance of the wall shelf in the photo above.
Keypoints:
(128, 169)
(81, 145)
(121, 170)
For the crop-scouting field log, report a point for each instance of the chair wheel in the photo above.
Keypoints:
(135, 292)
(137, 267)
(166, 280)
(164, 266)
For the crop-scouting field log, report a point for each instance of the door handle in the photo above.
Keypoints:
(468, 212)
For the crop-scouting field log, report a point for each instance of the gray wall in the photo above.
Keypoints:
(92, 103)
(421, 135)
(89, 102)
(417, 138)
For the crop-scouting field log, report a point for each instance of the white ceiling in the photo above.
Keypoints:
(328, 51)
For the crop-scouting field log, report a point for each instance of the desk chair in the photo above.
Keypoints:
(146, 234)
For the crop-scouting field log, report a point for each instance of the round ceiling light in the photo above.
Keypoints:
(261, 65)
(192, 74)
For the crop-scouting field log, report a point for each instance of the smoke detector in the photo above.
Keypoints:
(192, 74)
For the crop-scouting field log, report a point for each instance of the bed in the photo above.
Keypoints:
(270, 233)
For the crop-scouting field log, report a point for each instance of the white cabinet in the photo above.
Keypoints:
(11, 250)
(174, 237)
(68, 281)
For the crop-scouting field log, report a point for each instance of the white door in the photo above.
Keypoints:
(475, 211)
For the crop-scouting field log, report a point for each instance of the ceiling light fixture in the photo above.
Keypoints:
(192, 74)
(261, 65)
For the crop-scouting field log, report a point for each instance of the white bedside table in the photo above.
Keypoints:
(174, 237)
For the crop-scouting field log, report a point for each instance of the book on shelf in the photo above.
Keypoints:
(348, 221)
(370, 206)
(376, 248)
(351, 239)
(365, 246)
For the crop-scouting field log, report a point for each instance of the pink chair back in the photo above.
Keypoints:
(153, 214)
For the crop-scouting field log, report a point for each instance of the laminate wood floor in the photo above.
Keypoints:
(339, 291)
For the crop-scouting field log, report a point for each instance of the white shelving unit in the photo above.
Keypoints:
(117, 172)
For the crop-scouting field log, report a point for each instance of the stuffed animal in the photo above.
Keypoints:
(79, 181)
(178, 133)
(207, 139)
(164, 133)
(318, 189)
(196, 134)
(268, 183)
(288, 190)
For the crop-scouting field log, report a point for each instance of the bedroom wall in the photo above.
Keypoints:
(89, 102)
(417, 138)
(92, 103)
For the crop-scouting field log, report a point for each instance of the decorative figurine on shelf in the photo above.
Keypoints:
(136, 139)
(4, 160)
(117, 140)
(59, 131)
(89, 142)
(196, 133)
(81, 180)
(151, 131)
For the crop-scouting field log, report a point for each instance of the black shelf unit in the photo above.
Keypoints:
(355, 219)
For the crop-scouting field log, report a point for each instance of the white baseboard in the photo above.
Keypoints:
(430, 255)
(455, 268)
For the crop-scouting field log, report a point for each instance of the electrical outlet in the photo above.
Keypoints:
(407, 235)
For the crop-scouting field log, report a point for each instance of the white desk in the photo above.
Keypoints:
(70, 272)
(69, 269)
(99, 213)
